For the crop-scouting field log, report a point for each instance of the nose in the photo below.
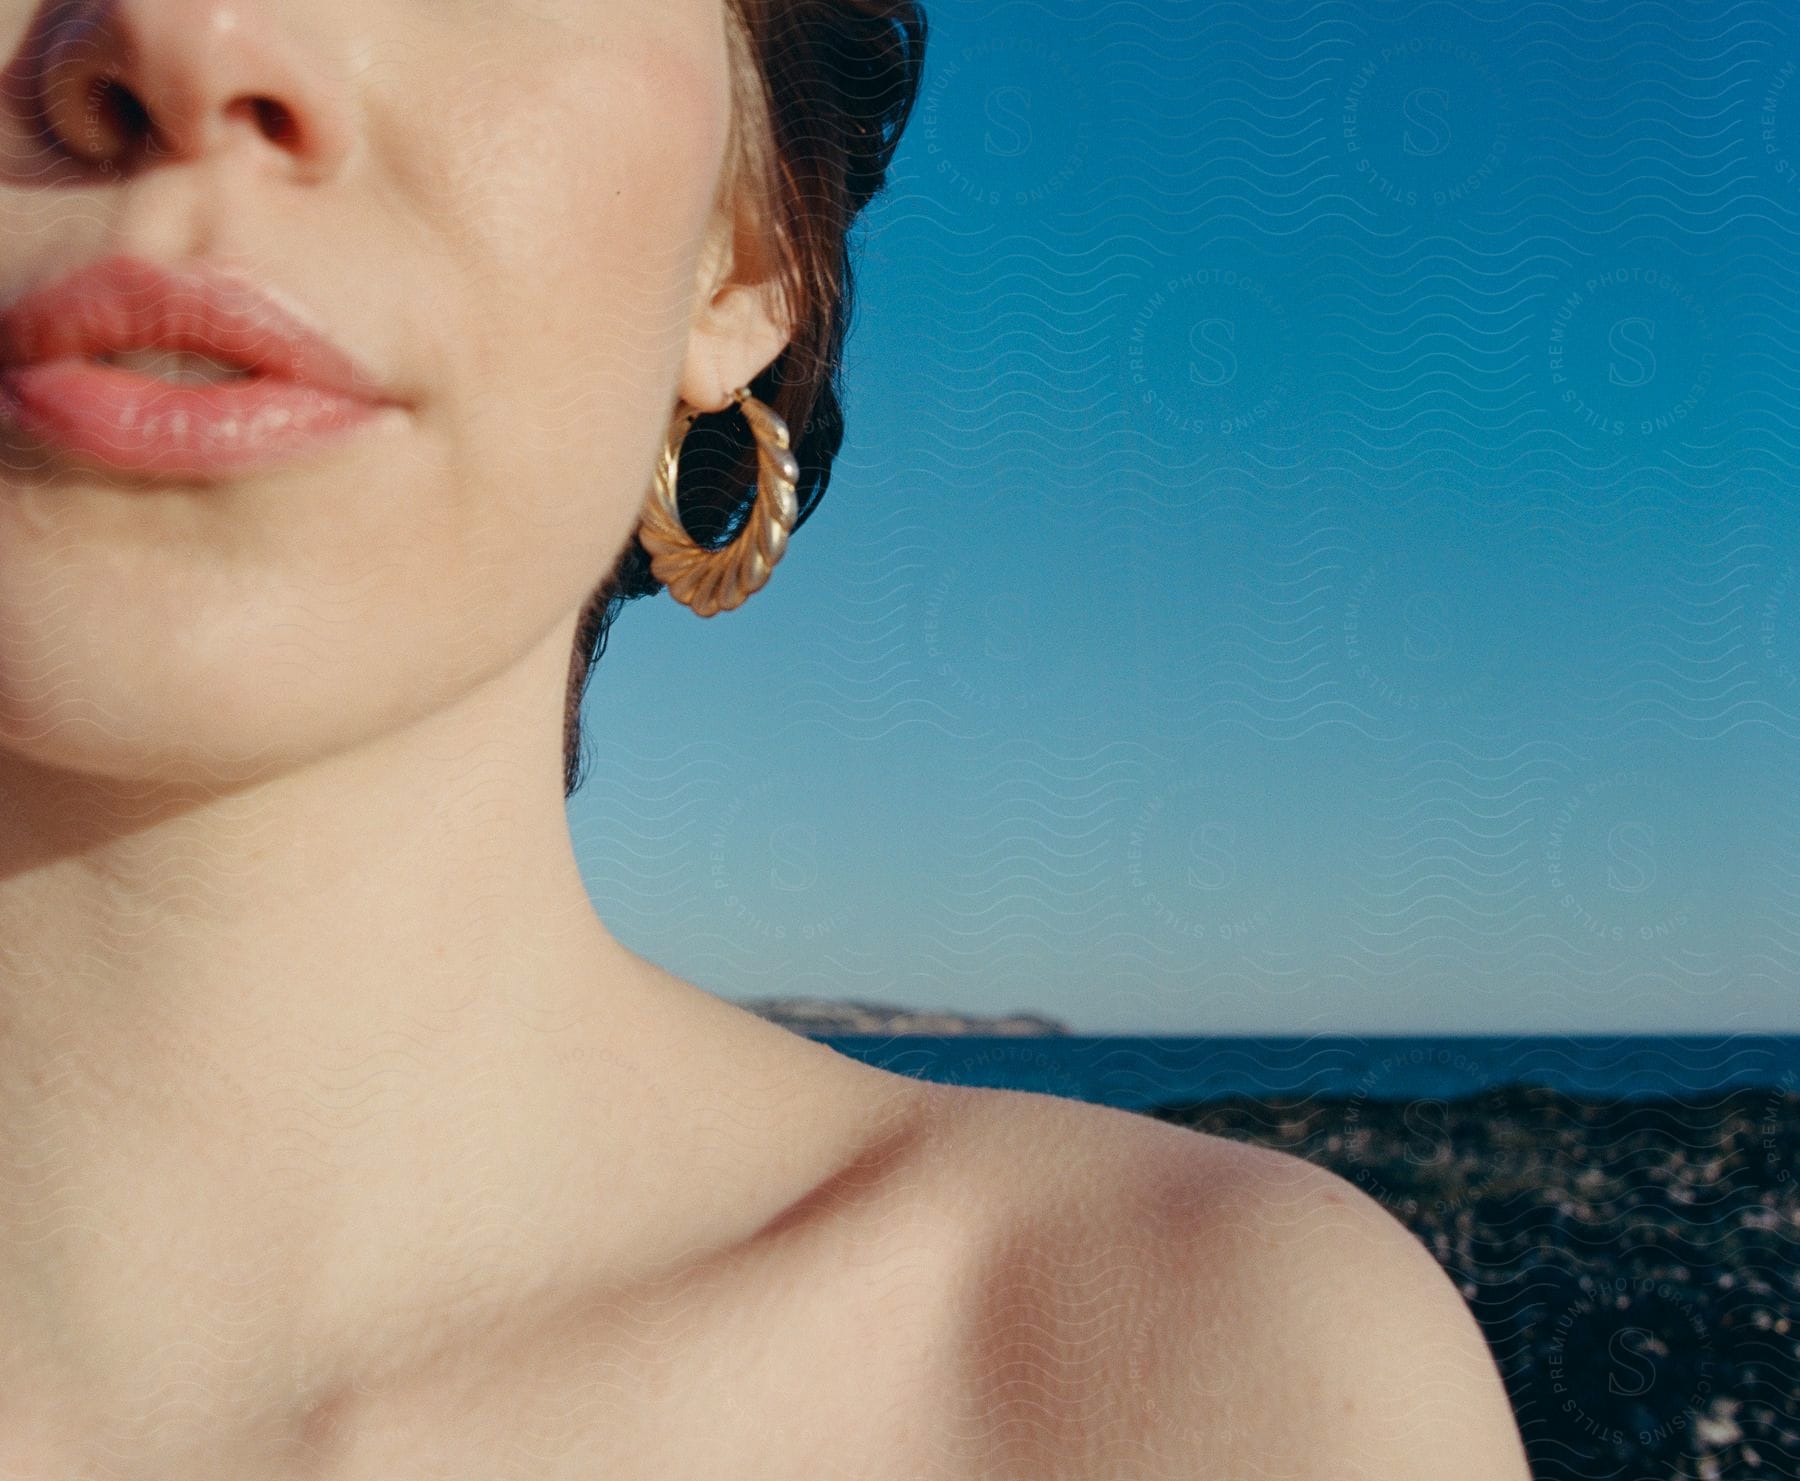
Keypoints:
(120, 79)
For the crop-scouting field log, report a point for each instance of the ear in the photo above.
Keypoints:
(740, 320)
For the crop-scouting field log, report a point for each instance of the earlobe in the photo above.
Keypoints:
(738, 334)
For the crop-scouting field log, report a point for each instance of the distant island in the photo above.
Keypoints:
(823, 1016)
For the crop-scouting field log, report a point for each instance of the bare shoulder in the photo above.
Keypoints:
(1156, 1302)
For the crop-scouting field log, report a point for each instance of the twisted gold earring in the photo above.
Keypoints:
(711, 581)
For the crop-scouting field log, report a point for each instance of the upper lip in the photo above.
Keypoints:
(122, 303)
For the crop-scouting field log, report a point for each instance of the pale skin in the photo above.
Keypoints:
(338, 1135)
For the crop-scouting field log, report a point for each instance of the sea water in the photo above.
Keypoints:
(1134, 1072)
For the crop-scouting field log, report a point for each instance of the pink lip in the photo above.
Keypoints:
(303, 390)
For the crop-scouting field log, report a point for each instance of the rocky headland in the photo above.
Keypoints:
(819, 1016)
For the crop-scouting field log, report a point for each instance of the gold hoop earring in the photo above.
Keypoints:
(712, 581)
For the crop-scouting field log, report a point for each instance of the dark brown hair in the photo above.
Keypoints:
(822, 91)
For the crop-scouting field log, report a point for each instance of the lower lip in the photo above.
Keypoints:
(135, 423)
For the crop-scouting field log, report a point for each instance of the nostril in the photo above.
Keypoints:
(116, 110)
(275, 121)
(80, 94)
(109, 120)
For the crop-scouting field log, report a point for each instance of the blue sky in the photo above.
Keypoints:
(1314, 550)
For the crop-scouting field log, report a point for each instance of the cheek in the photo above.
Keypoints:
(582, 218)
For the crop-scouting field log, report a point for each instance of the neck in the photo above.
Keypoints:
(334, 1066)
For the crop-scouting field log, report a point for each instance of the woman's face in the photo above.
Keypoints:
(504, 207)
